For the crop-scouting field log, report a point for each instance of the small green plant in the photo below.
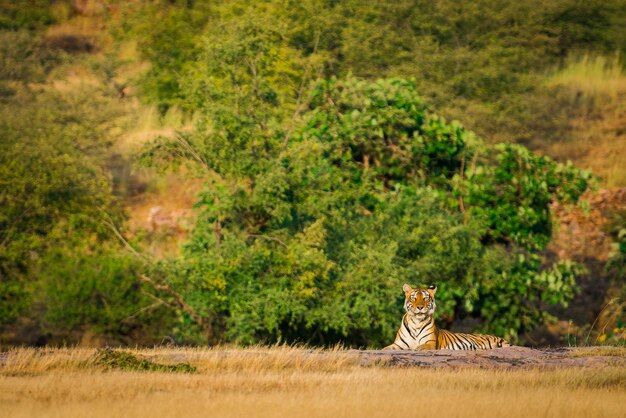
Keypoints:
(123, 360)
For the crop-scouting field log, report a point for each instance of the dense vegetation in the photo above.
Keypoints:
(333, 170)
(315, 235)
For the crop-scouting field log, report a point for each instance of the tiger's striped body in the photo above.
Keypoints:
(418, 330)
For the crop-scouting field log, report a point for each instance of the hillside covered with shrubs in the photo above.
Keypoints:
(190, 172)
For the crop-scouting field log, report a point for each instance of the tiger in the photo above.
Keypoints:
(418, 330)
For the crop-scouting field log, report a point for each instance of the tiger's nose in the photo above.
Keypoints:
(419, 306)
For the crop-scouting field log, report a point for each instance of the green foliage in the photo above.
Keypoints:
(97, 290)
(55, 185)
(321, 197)
(313, 242)
(513, 195)
(31, 14)
(244, 79)
(59, 271)
(384, 125)
(169, 45)
(51, 178)
(504, 303)
(23, 61)
(123, 360)
(482, 62)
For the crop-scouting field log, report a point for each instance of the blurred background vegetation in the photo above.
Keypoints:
(194, 172)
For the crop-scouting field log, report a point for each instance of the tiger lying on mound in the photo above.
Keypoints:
(418, 330)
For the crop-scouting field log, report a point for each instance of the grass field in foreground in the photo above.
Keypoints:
(283, 381)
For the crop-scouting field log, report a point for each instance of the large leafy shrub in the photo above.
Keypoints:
(313, 241)
(94, 289)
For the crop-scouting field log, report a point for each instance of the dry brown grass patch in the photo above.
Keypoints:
(596, 135)
(283, 381)
(599, 351)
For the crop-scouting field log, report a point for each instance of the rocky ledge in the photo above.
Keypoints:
(501, 358)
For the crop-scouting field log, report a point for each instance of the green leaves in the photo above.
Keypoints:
(513, 193)
(324, 191)
(384, 127)
(313, 242)
(53, 179)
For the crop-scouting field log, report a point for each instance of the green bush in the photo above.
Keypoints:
(313, 241)
(97, 290)
(123, 360)
(54, 179)
(31, 14)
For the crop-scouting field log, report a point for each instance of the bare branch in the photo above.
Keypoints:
(180, 301)
(145, 308)
(109, 222)
(299, 104)
(192, 152)
(267, 237)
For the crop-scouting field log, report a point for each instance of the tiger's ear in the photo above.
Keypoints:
(406, 288)
(432, 289)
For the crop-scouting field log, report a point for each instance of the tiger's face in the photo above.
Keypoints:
(420, 302)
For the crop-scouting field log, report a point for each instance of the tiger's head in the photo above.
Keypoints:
(420, 302)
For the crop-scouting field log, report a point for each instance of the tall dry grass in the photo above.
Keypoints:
(592, 78)
(595, 92)
(287, 381)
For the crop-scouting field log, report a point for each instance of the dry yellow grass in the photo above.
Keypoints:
(600, 351)
(592, 78)
(596, 137)
(284, 381)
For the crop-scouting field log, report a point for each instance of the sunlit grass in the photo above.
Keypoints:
(594, 88)
(599, 351)
(252, 359)
(592, 78)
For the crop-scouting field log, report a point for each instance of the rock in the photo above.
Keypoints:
(501, 358)
(510, 358)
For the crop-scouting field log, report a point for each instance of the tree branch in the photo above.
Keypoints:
(192, 152)
(461, 203)
(180, 301)
(267, 237)
(109, 222)
(299, 103)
